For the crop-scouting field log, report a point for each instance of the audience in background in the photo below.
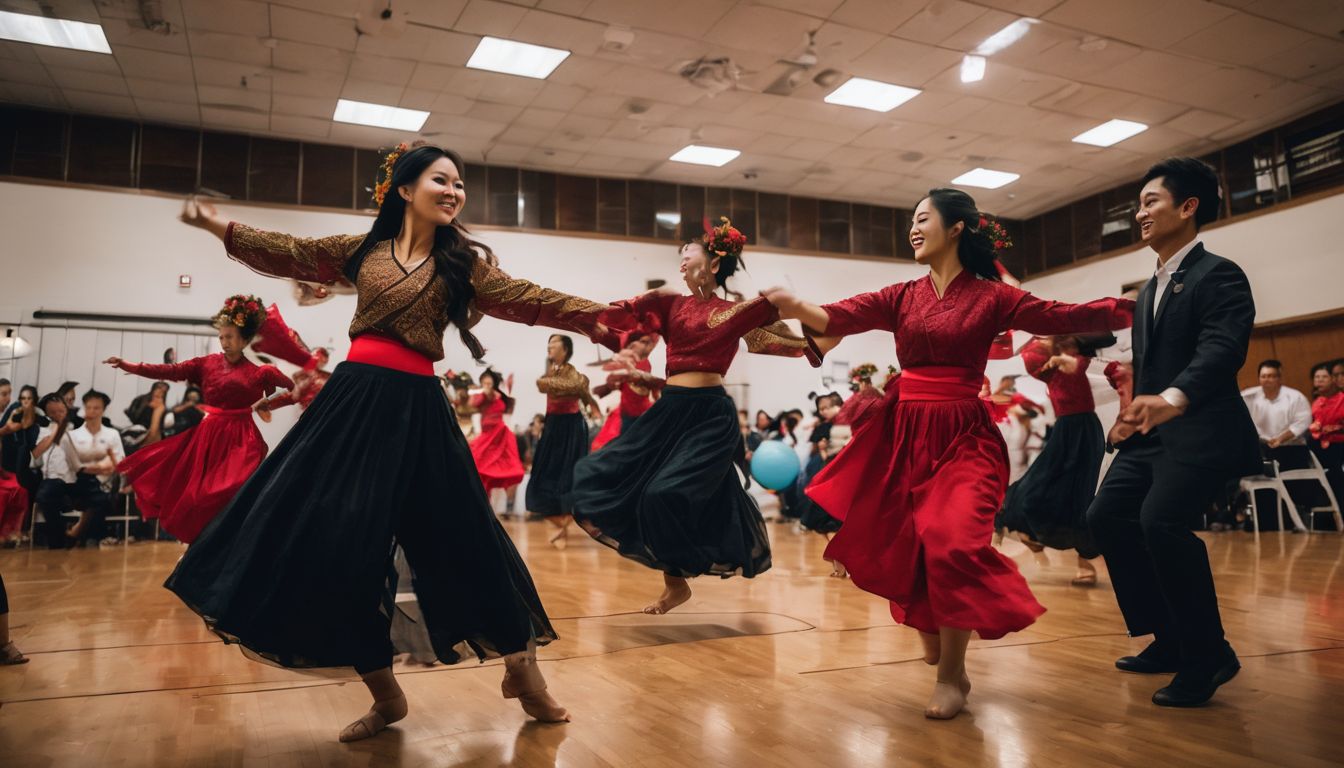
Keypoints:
(1327, 423)
(92, 452)
(57, 477)
(1282, 417)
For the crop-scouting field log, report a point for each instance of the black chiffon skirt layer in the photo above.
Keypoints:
(299, 567)
(1049, 502)
(666, 492)
(564, 440)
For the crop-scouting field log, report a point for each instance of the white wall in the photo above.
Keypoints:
(84, 250)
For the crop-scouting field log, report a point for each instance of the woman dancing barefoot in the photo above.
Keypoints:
(298, 567)
(665, 493)
(185, 480)
(922, 480)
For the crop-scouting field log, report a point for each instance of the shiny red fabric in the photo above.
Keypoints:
(186, 479)
(920, 482)
(1328, 412)
(1070, 393)
(611, 429)
(636, 398)
(495, 449)
(701, 334)
(13, 504)
(387, 352)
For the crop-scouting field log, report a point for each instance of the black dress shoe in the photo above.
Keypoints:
(1195, 685)
(1153, 660)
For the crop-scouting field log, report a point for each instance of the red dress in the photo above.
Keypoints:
(922, 480)
(187, 478)
(1328, 412)
(636, 398)
(13, 504)
(496, 448)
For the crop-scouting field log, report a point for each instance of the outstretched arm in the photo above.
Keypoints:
(275, 254)
(187, 370)
(522, 301)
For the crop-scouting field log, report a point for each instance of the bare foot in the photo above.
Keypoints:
(933, 648)
(673, 595)
(947, 701)
(380, 715)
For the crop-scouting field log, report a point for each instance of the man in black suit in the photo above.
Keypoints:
(1186, 433)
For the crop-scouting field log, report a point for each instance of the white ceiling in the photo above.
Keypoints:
(1200, 72)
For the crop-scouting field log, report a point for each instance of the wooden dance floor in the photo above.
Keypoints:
(790, 669)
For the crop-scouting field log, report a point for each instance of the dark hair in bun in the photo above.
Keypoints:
(975, 248)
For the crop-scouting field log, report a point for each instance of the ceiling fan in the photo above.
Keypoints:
(799, 69)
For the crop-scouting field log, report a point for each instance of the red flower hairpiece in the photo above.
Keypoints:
(998, 236)
(239, 309)
(723, 240)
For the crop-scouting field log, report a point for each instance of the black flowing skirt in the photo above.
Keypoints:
(299, 567)
(564, 440)
(1049, 502)
(667, 494)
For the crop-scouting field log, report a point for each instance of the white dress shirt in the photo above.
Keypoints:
(1163, 275)
(53, 463)
(83, 448)
(1289, 412)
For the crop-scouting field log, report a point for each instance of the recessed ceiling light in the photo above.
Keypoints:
(986, 179)
(871, 94)
(1004, 37)
(379, 115)
(715, 156)
(513, 58)
(972, 68)
(58, 33)
(1111, 132)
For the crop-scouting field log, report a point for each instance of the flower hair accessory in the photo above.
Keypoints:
(724, 240)
(385, 185)
(242, 310)
(991, 228)
(862, 372)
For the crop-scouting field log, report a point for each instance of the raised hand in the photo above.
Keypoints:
(115, 362)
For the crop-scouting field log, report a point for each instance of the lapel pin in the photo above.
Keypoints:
(1177, 288)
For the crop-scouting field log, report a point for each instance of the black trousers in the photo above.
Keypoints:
(1144, 517)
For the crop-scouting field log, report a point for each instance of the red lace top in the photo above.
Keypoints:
(224, 385)
(702, 334)
(957, 329)
(1070, 393)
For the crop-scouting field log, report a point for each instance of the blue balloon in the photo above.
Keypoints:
(774, 465)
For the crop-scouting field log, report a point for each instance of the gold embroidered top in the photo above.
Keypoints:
(410, 305)
(564, 388)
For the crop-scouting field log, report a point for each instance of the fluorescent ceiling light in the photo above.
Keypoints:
(512, 58)
(972, 68)
(871, 94)
(58, 33)
(715, 156)
(379, 115)
(1004, 37)
(1112, 132)
(985, 178)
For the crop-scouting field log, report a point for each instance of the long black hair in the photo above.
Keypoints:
(454, 253)
(491, 373)
(975, 249)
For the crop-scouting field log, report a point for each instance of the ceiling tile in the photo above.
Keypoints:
(689, 17)
(155, 90)
(1158, 24)
(904, 62)
(218, 45)
(371, 92)
(217, 97)
(235, 119)
(1199, 122)
(100, 103)
(319, 84)
(1243, 39)
(304, 127)
(938, 21)
(381, 69)
(313, 28)
(486, 17)
(235, 17)
(880, 16)
(294, 105)
(92, 82)
(156, 65)
(769, 30)
(551, 29)
(77, 60)
(28, 72)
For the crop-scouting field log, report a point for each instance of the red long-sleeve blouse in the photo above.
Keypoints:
(1070, 393)
(224, 385)
(702, 334)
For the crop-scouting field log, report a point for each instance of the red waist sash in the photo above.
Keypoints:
(234, 413)
(387, 352)
(940, 382)
(562, 405)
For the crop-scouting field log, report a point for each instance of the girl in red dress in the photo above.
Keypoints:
(186, 479)
(496, 448)
(632, 373)
(666, 494)
(922, 480)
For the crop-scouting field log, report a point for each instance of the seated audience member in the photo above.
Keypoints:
(1327, 423)
(56, 477)
(93, 452)
(1282, 416)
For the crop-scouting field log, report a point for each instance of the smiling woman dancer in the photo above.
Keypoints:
(297, 567)
(922, 479)
(665, 493)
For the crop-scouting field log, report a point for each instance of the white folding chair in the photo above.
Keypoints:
(1317, 473)
(1249, 485)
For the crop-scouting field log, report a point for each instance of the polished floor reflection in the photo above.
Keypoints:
(790, 669)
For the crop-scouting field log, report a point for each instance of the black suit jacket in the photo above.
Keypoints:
(1197, 343)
